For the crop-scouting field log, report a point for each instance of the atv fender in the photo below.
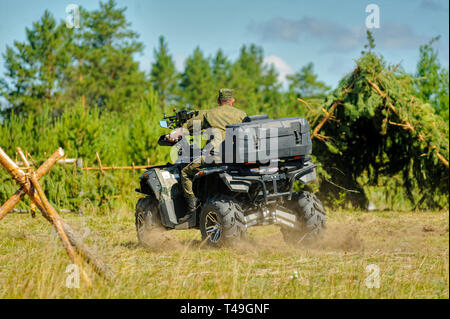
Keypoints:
(234, 185)
(161, 183)
(227, 179)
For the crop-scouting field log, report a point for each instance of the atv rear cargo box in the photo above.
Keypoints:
(261, 140)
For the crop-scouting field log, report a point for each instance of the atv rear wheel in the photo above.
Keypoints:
(147, 218)
(221, 221)
(312, 216)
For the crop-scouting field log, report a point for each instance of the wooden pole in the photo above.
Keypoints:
(20, 194)
(55, 220)
(113, 168)
(76, 240)
(99, 161)
(33, 209)
(11, 202)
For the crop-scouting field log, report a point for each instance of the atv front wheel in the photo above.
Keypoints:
(312, 217)
(221, 221)
(147, 218)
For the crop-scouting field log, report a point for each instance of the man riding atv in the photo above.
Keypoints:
(250, 173)
(217, 118)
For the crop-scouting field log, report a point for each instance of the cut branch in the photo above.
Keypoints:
(329, 113)
(406, 125)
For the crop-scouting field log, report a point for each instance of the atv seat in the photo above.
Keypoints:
(254, 118)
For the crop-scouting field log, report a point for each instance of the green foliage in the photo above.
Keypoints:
(163, 75)
(121, 140)
(105, 73)
(35, 68)
(432, 79)
(197, 81)
(370, 135)
(370, 45)
(62, 66)
(221, 70)
(306, 84)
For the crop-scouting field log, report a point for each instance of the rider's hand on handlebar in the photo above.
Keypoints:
(174, 136)
(169, 139)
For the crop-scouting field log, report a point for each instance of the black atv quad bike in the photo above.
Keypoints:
(252, 186)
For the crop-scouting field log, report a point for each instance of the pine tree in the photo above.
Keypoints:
(432, 79)
(34, 68)
(59, 66)
(221, 68)
(105, 73)
(247, 78)
(305, 83)
(197, 81)
(255, 83)
(375, 127)
(370, 45)
(163, 75)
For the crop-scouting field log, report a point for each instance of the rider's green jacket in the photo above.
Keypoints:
(217, 118)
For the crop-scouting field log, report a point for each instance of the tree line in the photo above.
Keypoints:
(83, 89)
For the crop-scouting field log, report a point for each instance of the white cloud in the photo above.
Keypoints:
(336, 37)
(281, 66)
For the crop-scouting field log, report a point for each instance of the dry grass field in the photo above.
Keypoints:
(408, 251)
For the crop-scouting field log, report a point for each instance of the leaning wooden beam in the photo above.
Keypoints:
(91, 258)
(20, 194)
(12, 168)
(55, 219)
(324, 120)
(99, 266)
(99, 161)
(329, 113)
(11, 202)
(60, 161)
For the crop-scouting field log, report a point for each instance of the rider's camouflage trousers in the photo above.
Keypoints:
(189, 171)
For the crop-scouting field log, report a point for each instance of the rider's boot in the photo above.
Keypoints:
(191, 205)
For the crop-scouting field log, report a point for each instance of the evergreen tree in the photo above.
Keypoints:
(59, 66)
(108, 75)
(255, 82)
(221, 68)
(163, 75)
(370, 45)
(34, 68)
(432, 79)
(247, 77)
(271, 97)
(305, 83)
(197, 81)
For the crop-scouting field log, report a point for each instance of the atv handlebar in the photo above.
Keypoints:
(164, 142)
(177, 120)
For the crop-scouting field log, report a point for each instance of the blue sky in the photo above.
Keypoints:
(292, 33)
